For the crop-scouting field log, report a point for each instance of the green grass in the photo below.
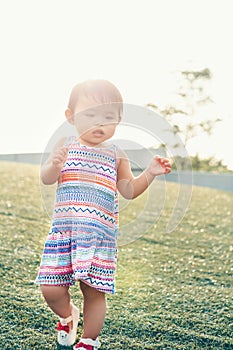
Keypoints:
(174, 291)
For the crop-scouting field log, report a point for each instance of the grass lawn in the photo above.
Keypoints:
(174, 290)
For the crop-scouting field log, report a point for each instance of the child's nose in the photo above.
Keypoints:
(99, 122)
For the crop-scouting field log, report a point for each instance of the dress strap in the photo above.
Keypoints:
(69, 140)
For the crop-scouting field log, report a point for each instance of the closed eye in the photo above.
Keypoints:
(110, 117)
(90, 115)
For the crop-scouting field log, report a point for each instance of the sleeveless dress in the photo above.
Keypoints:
(81, 244)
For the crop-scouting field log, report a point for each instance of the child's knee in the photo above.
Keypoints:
(53, 293)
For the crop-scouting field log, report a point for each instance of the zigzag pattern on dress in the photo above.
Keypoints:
(101, 285)
(59, 210)
(90, 166)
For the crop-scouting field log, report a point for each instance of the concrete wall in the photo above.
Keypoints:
(139, 160)
(31, 158)
(221, 181)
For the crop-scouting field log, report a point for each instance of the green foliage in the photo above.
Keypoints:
(193, 75)
(174, 291)
(183, 113)
(208, 164)
(199, 164)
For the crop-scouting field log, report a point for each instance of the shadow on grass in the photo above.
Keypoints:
(60, 347)
(151, 241)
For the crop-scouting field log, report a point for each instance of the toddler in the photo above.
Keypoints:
(82, 242)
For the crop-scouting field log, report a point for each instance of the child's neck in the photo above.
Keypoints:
(93, 145)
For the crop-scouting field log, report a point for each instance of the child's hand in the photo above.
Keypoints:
(159, 166)
(59, 157)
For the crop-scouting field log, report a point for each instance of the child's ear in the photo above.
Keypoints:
(69, 116)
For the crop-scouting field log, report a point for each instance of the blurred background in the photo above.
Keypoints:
(172, 57)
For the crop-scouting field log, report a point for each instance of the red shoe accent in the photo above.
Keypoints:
(85, 346)
(60, 327)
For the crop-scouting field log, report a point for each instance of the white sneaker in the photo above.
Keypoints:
(66, 336)
(87, 344)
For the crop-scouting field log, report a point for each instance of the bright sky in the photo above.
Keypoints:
(48, 46)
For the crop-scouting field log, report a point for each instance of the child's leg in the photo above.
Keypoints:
(94, 310)
(58, 299)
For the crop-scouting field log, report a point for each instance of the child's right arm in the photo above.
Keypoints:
(51, 169)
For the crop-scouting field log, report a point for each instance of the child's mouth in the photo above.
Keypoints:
(98, 133)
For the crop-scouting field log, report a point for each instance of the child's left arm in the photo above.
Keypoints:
(129, 186)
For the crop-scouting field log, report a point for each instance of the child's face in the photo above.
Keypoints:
(96, 123)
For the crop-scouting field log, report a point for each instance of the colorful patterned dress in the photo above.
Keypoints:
(81, 244)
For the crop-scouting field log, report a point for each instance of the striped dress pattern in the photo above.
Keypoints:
(81, 244)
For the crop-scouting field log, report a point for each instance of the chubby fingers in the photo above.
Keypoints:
(65, 150)
(61, 155)
(165, 163)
